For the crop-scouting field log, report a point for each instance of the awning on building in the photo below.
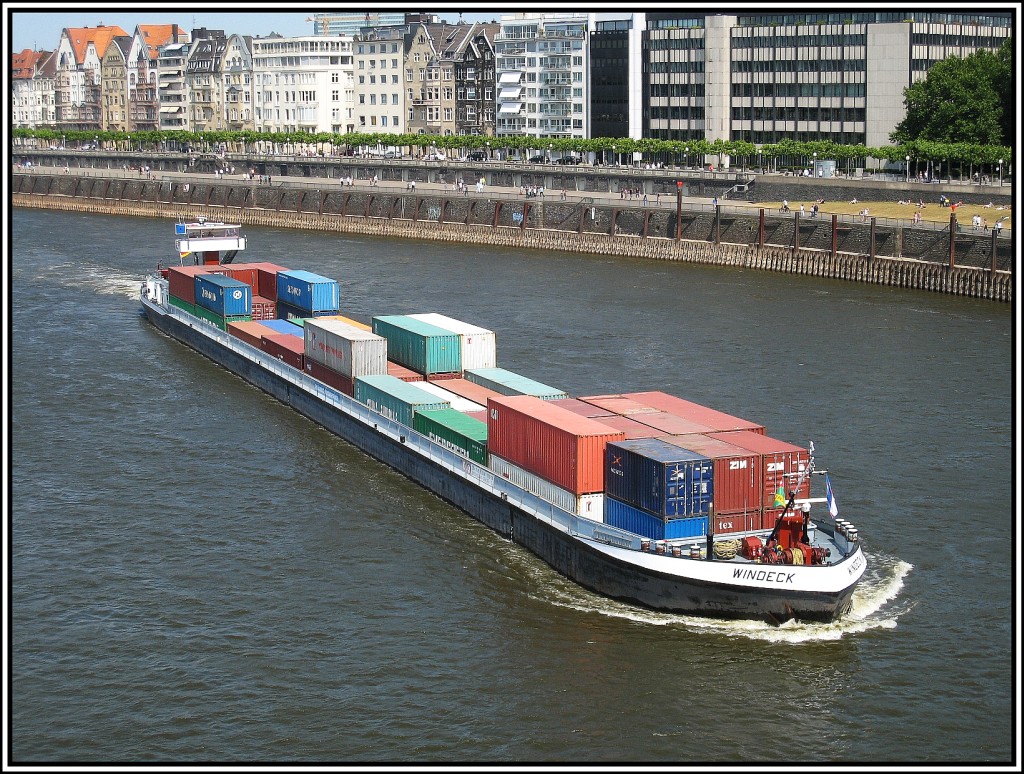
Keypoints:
(171, 109)
(510, 93)
(510, 77)
(511, 107)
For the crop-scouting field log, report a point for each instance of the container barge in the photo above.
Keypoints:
(642, 497)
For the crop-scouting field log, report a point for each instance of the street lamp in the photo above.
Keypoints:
(615, 157)
(908, 168)
(1000, 173)
(687, 156)
(814, 165)
(760, 162)
(551, 147)
(488, 144)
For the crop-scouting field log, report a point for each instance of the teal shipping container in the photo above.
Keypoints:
(394, 398)
(454, 430)
(509, 383)
(421, 346)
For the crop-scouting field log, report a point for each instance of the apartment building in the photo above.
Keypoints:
(114, 83)
(385, 74)
(77, 82)
(303, 84)
(172, 59)
(236, 72)
(143, 70)
(475, 81)
(543, 67)
(32, 89)
(330, 23)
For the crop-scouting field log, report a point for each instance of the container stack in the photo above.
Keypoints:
(509, 383)
(425, 348)
(302, 294)
(544, 441)
(656, 489)
(221, 299)
(336, 352)
(394, 398)
(477, 345)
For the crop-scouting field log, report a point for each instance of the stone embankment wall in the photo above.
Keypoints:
(859, 252)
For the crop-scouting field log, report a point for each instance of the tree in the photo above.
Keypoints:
(961, 100)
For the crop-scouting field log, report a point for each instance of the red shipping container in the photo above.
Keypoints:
(284, 347)
(470, 390)
(329, 376)
(243, 272)
(577, 406)
(550, 442)
(266, 279)
(781, 463)
(737, 521)
(403, 373)
(718, 421)
(182, 280)
(263, 308)
(249, 332)
(670, 424)
(445, 377)
(622, 405)
(737, 471)
(629, 426)
(481, 415)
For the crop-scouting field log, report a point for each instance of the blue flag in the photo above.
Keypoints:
(833, 509)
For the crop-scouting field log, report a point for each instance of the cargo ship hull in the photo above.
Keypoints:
(573, 546)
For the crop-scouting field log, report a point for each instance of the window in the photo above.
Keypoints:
(334, 95)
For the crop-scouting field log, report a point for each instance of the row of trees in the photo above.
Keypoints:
(786, 153)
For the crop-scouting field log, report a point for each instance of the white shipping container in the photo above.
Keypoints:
(590, 506)
(345, 348)
(458, 402)
(478, 346)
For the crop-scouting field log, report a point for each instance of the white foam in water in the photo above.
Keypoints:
(882, 585)
(99, 279)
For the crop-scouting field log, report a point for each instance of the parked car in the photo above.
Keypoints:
(437, 156)
(476, 156)
(569, 160)
(538, 159)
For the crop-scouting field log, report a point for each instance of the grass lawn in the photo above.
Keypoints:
(931, 212)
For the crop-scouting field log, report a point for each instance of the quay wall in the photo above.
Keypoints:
(887, 253)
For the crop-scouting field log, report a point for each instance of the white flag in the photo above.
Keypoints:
(833, 509)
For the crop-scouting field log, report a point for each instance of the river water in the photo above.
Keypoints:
(200, 575)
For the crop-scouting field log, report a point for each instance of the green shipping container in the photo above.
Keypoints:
(509, 383)
(454, 430)
(394, 398)
(219, 320)
(425, 348)
(182, 304)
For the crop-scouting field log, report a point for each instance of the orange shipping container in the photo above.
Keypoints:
(717, 420)
(249, 332)
(284, 347)
(629, 426)
(549, 441)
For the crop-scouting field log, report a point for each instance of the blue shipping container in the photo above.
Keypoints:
(659, 477)
(226, 296)
(283, 326)
(308, 291)
(625, 516)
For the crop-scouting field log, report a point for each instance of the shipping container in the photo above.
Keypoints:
(331, 378)
(510, 383)
(478, 344)
(219, 320)
(735, 522)
(618, 404)
(457, 401)
(263, 308)
(182, 304)
(181, 280)
(423, 347)
(223, 295)
(403, 373)
(553, 443)
(781, 463)
(577, 406)
(481, 415)
(284, 347)
(308, 291)
(737, 471)
(589, 505)
(716, 420)
(454, 430)
(250, 332)
(629, 426)
(354, 323)
(266, 278)
(243, 272)
(658, 477)
(284, 326)
(394, 398)
(470, 391)
(632, 519)
(343, 348)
